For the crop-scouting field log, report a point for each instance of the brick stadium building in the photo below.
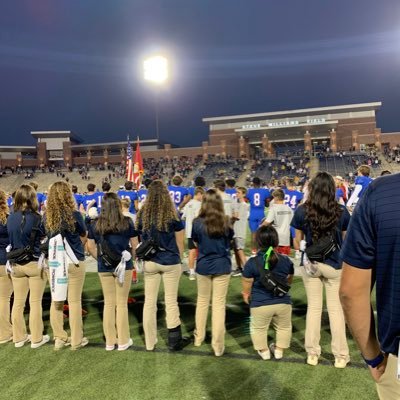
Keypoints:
(341, 127)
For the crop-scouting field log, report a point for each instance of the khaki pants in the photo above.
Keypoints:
(261, 317)
(28, 278)
(330, 279)
(6, 289)
(170, 275)
(389, 386)
(76, 278)
(217, 287)
(115, 312)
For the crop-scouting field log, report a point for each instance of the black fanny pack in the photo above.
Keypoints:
(108, 256)
(322, 249)
(147, 249)
(277, 286)
(24, 255)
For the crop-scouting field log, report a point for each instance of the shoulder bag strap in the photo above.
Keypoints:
(34, 231)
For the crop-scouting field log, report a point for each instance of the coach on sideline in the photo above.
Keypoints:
(371, 253)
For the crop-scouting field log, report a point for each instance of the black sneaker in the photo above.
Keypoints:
(237, 272)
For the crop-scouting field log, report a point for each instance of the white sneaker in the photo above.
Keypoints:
(341, 362)
(278, 354)
(45, 339)
(312, 359)
(110, 347)
(297, 255)
(83, 343)
(60, 344)
(122, 347)
(22, 342)
(219, 353)
(192, 276)
(265, 355)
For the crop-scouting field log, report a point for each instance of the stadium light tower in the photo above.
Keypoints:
(155, 70)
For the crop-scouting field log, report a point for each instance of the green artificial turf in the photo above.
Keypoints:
(93, 373)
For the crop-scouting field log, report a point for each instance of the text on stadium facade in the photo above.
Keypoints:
(286, 123)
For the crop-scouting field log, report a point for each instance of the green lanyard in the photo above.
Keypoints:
(267, 254)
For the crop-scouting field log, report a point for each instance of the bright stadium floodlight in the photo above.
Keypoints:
(156, 69)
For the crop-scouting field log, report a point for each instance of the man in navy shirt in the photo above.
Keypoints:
(371, 254)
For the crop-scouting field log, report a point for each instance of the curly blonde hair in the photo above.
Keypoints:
(158, 210)
(4, 211)
(60, 207)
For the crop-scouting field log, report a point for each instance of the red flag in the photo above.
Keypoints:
(129, 165)
(138, 166)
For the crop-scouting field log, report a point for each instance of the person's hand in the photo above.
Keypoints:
(246, 297)
(378, 371)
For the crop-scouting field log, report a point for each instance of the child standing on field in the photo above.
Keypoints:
(265, 307)
(240, 229)
(280, 216)
(190, 212)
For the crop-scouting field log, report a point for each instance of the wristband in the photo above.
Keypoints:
(376, 361)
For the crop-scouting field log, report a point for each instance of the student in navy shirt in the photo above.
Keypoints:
(212, 233)
(28, 277)
(319, 216)
(6, 287)
(62, 217)
(120, 235)
(179, 194)
(158, 219)
(371, 256)
(264, 306)
(130, 194)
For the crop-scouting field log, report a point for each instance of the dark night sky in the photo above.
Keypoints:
(76, 64)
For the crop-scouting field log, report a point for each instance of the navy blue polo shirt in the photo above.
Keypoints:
(373, 242)
(4, 242)
(299, 222)
(166, 240)
(74, 238)
(20, 234)
(214, 256)
(260, 296)
(117, 241)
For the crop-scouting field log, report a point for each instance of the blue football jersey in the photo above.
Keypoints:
(94, 197)
(257, 198)
(232, 192)
(363, 181)
(293, 198)
(142, 194)
(177, 194)
(132, 196)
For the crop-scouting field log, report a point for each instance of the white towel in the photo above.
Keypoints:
(59, 256)
(121, 267)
